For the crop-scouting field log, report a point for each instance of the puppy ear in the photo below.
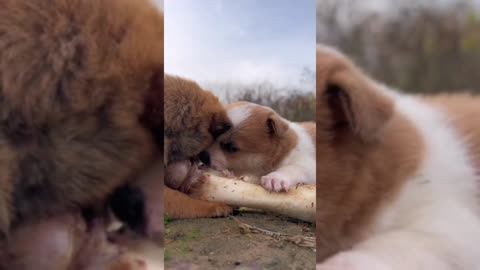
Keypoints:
(355, 105)
(276, 126)
(219, 124)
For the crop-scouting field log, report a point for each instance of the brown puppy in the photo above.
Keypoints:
(193, 119)
(74, 75)
(76, 81)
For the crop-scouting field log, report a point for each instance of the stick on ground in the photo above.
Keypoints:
(300, 240)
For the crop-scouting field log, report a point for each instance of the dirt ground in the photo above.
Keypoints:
(218, 243)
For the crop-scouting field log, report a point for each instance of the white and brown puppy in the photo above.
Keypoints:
(263, 144)
(398, 175)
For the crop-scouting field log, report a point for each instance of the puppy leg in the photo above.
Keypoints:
(179, 205)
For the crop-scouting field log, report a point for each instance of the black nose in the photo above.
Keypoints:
(204, 157)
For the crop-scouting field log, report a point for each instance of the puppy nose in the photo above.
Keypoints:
(204, 157)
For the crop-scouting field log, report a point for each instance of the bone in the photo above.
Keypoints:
(299, 202)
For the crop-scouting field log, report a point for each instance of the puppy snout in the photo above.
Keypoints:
(204, 157)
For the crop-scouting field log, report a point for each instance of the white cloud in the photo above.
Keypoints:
(249, 71)
(211, 44)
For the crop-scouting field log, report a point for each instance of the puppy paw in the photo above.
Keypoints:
(277, 181)
(220, 210)
(352, 261)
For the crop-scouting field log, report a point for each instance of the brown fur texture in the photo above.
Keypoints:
(74, 75)
(194, 117)
(365, 152)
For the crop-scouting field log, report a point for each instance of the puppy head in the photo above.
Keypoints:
(194, 118)
(260, 138)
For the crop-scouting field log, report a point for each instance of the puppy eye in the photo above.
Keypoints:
(229, 147)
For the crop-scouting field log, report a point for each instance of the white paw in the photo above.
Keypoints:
(277, 181)
(352, 261)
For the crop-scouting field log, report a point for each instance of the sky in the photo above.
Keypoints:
(244, 41)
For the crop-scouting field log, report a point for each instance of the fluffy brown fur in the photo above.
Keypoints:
(74, 75)
(194, 117)
(81, 111)
(364, 152)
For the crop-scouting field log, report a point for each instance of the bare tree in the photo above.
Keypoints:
(416, 46)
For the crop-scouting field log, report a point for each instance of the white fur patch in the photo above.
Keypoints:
(434, 223)
(239, 114)
(300, 163)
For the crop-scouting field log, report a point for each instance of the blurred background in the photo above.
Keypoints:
(416, 46)
(259, 51)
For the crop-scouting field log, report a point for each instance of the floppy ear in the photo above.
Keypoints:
(276, 126)
(358, 106)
